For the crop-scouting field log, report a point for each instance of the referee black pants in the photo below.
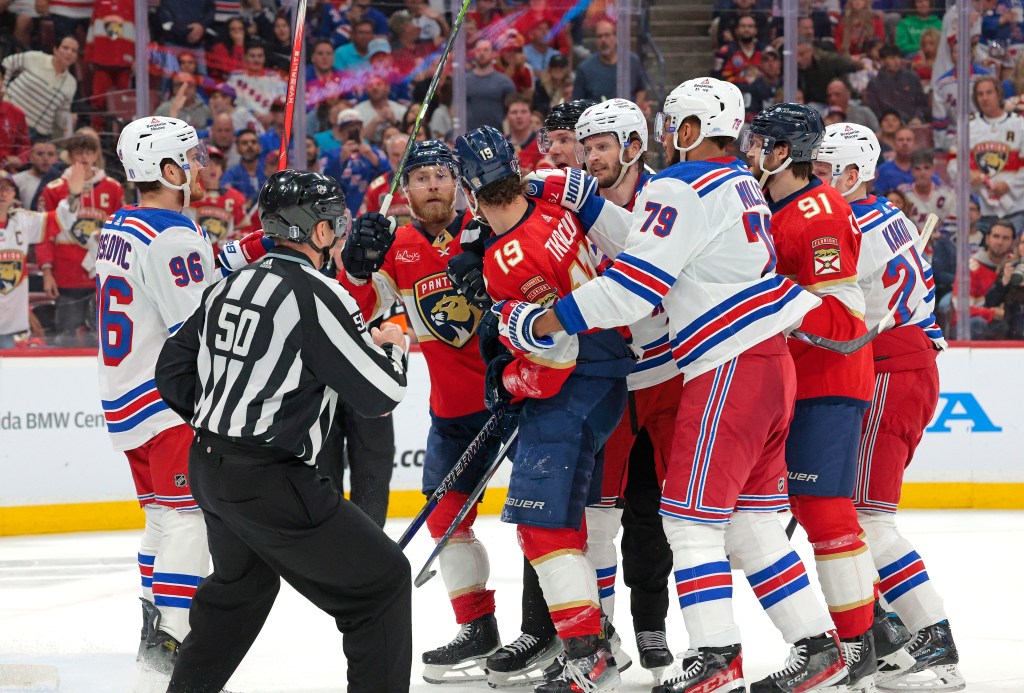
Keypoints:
(270, 517)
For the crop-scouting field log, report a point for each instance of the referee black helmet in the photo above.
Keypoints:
(292, 202)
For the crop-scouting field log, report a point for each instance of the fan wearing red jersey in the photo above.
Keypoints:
(570, 398)
(65, 249)
(221, 212)
(408, 265)
(818, 243)
(892, 274)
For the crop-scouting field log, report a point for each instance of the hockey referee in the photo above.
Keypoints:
(258, 370)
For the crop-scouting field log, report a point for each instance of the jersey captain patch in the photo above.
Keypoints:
(826, 256)
(447, 314)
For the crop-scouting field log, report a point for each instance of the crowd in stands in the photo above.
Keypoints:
(890, 65)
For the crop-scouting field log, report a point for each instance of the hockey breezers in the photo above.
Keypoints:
(849, 346)
(425, 572)
(449, 481)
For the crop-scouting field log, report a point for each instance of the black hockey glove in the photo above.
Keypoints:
(466, 272)
(369, 241)
(474, 235)
(487, 331)
(495, 394)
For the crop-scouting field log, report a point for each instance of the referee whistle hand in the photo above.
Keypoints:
(388, 333)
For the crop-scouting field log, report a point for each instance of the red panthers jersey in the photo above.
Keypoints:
(817, 242)
(541, 259)
(444, 322)
(221, 214)
(66, 248)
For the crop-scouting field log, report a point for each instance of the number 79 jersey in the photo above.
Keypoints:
(152, 266)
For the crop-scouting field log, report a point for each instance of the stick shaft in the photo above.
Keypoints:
(293, 81)
(396, 179)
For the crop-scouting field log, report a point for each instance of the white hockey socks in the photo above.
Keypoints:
(904, 581)
(150, 546)
(182, 562)
(602, 527)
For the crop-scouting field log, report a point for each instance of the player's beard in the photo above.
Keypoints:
(196, 190)
(606, 179)
(435, 211)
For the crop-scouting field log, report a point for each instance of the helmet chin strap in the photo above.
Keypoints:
(626, 165)
(186, 188)
(765, 173)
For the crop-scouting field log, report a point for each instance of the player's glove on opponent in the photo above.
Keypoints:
(466, 272)
(369, 241)
(517, 318)
(496, 396)
(234, 255)
(570, 188)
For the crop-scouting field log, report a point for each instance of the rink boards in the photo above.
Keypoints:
(58, 472)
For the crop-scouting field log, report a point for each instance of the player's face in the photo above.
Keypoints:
(562, 150)
(601, 157)
(823, 170)
(431, 193)
(198, 160)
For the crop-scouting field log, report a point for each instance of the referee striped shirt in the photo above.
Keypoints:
(35, 87)
(267, 354)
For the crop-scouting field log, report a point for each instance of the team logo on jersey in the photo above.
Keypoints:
(445, 313)
(180, 480)
(12, 270)
(83, 228)
(215, 228)
(826, 256)
(991, 157)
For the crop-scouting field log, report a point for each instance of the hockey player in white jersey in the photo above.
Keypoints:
(152, 266)
(893, 274)
(713, 270)
(20, 228)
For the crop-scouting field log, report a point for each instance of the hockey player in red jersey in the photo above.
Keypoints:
(818, 244)
(65, 249)
(222, 211)
(714, 272)
(557, 139)
(893, 274)
(570, 399)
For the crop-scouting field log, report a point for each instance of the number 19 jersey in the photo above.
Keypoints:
(152, 266)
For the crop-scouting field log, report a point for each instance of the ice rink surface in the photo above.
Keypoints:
(71, 602)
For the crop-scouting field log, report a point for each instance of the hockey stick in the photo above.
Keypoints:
(456, 25)
(848, 347)
(446, 485)
(791, 527)
(293, 81)
(425, 572)
(930, 222)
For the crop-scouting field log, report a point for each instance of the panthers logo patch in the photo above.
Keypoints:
(447, 314)
(12, 270)
(991, 157)
(215, 228)
(84, 228)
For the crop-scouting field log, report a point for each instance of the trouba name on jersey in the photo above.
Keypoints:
(115, 249)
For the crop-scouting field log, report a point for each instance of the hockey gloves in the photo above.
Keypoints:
(495, 394)
(234, 255)
(369, 241)
(489, 342)
(570, 187)
(517, 318)
(466, 272)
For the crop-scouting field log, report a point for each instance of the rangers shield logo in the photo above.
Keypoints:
(12, 270)
(446, 314)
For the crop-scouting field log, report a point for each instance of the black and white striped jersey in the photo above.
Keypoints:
(269, 351)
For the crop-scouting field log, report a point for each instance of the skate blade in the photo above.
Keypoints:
(622, 660)
(940, 678)
(464, 672)
(893, 666)
(657, 672)
(533, 675)
(865, 685)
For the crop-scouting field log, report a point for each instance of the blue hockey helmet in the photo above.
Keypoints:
(485, 157)
(796, 124)
(430, 153)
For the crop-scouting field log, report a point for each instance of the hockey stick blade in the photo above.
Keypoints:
(425, 572)
(448, 482)
(848, 347)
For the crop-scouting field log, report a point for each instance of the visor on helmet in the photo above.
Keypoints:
(424, 177)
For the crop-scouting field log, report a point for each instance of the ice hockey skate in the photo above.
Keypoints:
(463, 659)
(935, 667)
(652, 647)
(708, 670)
(588, 665)
(522, 662)
(150, 621)
(156, 661)
(891, 638)
(622, 660)
(814, 664)
(861, 662)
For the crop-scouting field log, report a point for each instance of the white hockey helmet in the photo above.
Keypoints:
(848, 143)
(145, 142)
(618, 117)
(717, 104)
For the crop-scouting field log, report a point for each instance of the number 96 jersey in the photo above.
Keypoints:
(152, 266)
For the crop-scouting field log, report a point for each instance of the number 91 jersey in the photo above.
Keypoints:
(152, 266)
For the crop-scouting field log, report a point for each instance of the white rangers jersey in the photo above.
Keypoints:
(22, 229)
(944, 107)
(939, 200)
(891, 272)
(700, 245)
(152, 266)
(996, 152)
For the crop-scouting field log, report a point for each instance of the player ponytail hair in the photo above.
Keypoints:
(502, 192)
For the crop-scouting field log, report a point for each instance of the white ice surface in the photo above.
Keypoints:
(71, 601)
